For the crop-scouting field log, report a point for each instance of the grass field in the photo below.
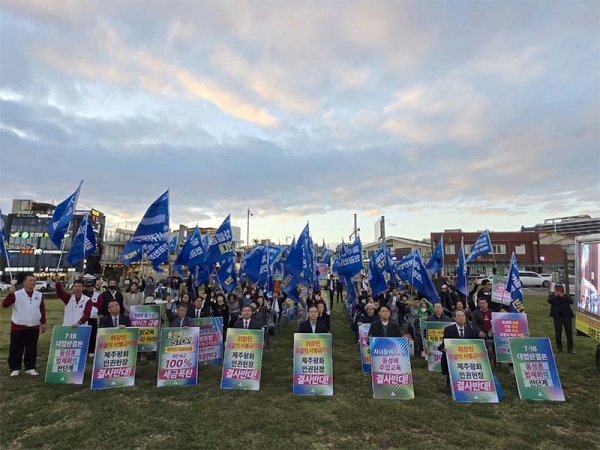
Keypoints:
(35, 415)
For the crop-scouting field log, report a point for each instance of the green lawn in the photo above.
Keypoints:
(36, 415)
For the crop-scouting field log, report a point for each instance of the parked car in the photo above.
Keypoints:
(41, 286)
(547, 279)
(532, 279)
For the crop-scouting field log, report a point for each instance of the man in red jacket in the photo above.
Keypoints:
(27, 321)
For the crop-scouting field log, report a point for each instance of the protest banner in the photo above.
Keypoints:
(313, 365)
(471, 377)
(423, 328)
(435, 336)
(178, 357)
(242, 361)
(323, 273)
(499, 292)
(365, 357)
(391, 374)
(210, 342)
(506, 326)
(66, 358)
(115, 358)
(147, 319)
(535, 369)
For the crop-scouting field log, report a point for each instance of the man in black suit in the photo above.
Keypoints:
(313, 324)
(181, 320)
(112, 293)
(247, 321)
(203, 307)
(461, 330)
(561, 312)
(114, 318)
(384, 327)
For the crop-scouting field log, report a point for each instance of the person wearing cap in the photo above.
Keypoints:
(561, 312)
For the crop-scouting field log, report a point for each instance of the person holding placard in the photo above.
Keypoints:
(114, 318)
(313, 324)
(459, 331)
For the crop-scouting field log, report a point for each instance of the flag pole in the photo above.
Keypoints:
(8, 265)
(64, 241)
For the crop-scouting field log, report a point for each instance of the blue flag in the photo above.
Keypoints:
(192, 253)
(152, 233)
(513, 285)
(404, 268)
(350, 288)
(351, 259)
(462, 284)
(227, 275)
(132, 252)
(173, 243)
(420, 280)
(436, 262)
(253, 263)
(335, 268)
(325, 255)
(482, 246)
(62, 217)
(221, 244)
(3, 238)
(376, 278)
(296, 262)
(84, 243)
(289, 286)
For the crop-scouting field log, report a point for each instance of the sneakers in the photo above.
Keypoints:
(572, 352)
(15, 373)
(90, 355)
(31, 372)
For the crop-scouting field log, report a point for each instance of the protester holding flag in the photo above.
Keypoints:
(78, 307)
(28, 319)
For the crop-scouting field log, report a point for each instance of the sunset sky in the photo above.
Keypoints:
(437, 115)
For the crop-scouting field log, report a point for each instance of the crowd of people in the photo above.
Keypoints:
(393, 313)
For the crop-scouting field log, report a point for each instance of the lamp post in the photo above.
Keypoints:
(248, 228)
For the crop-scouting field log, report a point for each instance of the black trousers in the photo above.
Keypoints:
(23, 341)
(559, 323)
(331, 299)
(338, 297)
(94, 332)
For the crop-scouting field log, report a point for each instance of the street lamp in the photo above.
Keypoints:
(248, 228)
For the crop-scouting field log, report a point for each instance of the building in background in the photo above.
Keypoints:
(535, 251)
(568, 226)
(30, 248)
(399, 247)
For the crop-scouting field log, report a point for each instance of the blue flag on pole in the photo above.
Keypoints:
(376, 278)
(420, 280)
(335, 268)
(3, 238)
(221, 244)
(351, 260)
(296, 263)
(405, 266)
(514, 286)
(253, 262)
(192, 253)
(325, 255)
(351, 289)
(227, 275)
(289, 286)
(84, 243)
(153, 232)
(462, 284)
(62, 217)
(436, 262)
(173, 243)
(482, 246)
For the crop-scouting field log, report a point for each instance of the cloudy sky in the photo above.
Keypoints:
(437, 115)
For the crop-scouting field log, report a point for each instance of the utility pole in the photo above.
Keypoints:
(382, 228)
(354, 234)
